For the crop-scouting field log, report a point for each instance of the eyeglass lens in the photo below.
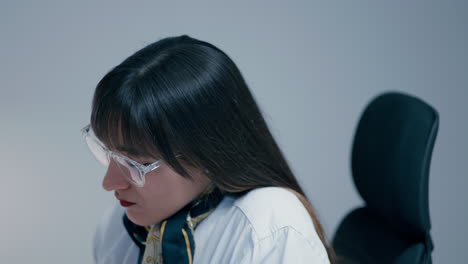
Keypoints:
(127, 169)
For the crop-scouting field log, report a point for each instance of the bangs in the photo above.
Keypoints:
(116, 134)
(120, 125)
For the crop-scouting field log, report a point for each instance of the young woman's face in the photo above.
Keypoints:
(164, 193)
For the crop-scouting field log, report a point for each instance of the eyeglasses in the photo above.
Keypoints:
(133, 171)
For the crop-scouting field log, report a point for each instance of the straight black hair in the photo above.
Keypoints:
(183, 95)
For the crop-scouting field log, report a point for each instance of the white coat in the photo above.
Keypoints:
(266, 225)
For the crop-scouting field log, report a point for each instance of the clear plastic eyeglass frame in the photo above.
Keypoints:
(133, 171)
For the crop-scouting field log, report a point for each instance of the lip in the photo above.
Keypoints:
(123, 202)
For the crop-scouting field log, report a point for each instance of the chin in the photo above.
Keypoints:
(140, 220)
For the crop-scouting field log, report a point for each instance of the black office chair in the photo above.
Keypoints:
(390, 162)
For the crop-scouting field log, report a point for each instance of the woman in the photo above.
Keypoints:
(199, 177)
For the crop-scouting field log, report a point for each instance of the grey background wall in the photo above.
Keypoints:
(311, 65)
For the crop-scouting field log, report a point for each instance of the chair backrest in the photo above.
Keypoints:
(390, 162)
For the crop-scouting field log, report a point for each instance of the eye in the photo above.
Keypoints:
(128, 164)
(144, 162)
(139, 160)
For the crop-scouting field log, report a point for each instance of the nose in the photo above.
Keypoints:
(114, 180)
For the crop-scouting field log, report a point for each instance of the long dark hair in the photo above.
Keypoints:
(183, 95)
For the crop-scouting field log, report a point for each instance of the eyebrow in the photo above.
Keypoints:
(132, 152)
(129, 150)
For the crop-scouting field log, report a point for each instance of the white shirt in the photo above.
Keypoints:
(266, 225)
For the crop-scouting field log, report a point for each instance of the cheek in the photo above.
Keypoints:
(166, 183)
(165, 193)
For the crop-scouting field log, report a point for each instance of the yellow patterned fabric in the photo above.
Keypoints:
(200, 208)
(153, 250)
